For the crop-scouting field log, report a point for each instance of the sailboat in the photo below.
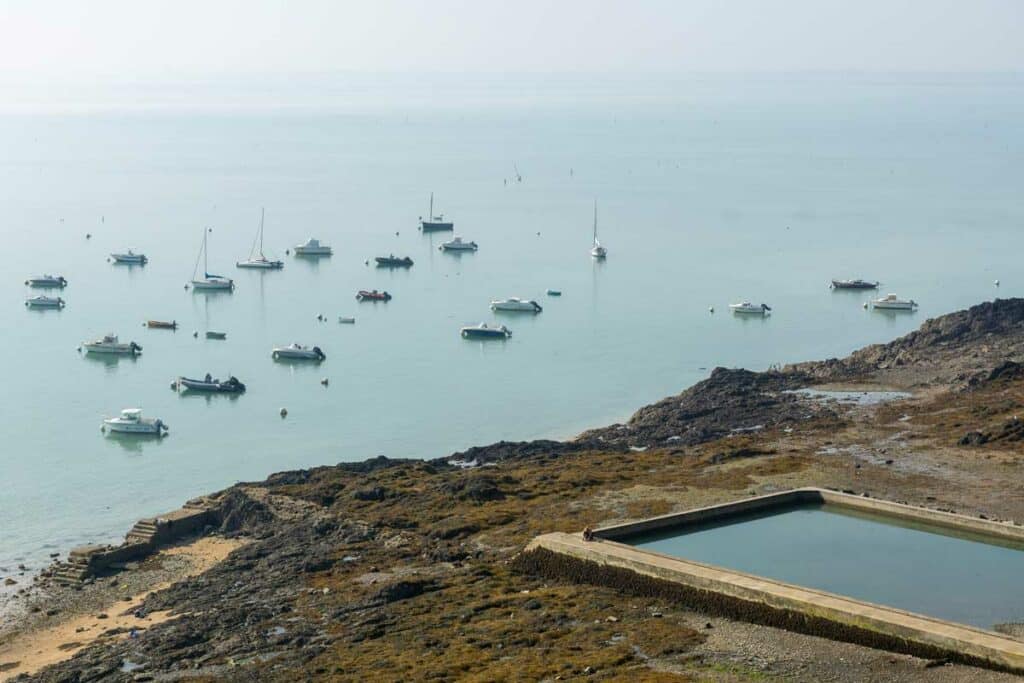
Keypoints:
(598, 251)
(435, 223)
(209, 281)
(256, 258)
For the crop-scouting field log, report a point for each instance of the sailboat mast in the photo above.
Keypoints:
(430, 216)
(206, 264)
(261, 230)
(595, 222)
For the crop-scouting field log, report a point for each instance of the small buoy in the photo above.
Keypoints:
(284, 412)
(287, 251)
(711, 309)
(88, 236)
(196, 334)
(210, 229)
(396, 233)
(366, 262)
(320, 317)
(865, 304)
(997, 283)
(324, 381)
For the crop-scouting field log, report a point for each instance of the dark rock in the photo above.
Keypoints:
(373, 493)
(241, 513)
(403, 590)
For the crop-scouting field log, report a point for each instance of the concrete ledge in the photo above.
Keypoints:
(787, 605)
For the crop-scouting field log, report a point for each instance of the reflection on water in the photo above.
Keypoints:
(110, 361)
(135, 443)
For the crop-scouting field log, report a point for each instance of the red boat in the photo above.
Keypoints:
(372, 295)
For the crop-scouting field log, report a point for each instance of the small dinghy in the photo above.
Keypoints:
(162, 324)
(210, 334)
(44, 302)
(130, 258)
(891, 302)
(312, 247)
(458, 245)
(209, 384)
(131, 422)
(747, 308)
(854, 284)
(393, 261)
(47, 282)
(346, 321)
(372, 295)
(483, 331)
(109, 343)
(516, 304)
(554, 292)
(298, 352)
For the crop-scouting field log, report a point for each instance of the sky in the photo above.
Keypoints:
(58, 40)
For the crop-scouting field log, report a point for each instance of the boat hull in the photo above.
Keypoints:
(161, 325)
(383, 262)
(222, 285)
(890, 306)
(117, 349)
(485, 332)
(45, 303)
(260, 265)
(748, 311)
(46, 283)
(133, 260)
(437, 226)
(321, 251)
(210, 387)
(144, 427)
(853, 284)
(516, 306)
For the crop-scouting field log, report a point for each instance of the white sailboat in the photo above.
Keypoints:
(597, 251)
(256, 258)
(209, 281)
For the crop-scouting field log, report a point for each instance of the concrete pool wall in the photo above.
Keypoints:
(752, 598)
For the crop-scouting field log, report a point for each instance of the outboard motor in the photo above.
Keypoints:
(135, 348)
(319, 353)
(536, 307)
(62, 281)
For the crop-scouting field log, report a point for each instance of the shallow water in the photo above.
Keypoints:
(710, 191)
(918, 568)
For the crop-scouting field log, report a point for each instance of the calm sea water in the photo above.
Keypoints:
(918, 568)
(709, 191)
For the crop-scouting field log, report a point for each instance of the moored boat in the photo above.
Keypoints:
(312, 247)
(346, 320)
(435, 223)
(256, 258)
(597, 250)
(854, 284)
(483, 331)
(298, 352)
(109, 343)
(554, 292)
(748, 308)
(209, 384)
(131, 421)
(130, 257)
(47, 282)
(210, 334)
(457, 244)
(162, 324)
(393, 261)
(44, 302)
(209, 281)
(516, 304)
(892, 302)
(372, 295)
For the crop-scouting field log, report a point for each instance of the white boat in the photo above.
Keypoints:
(47, 282)
(597, 251)
(748, 308)
(130, 257)
(312, 247)
(131, 422)
(457, 244)
(209, 281)
(44, 302)
(435, 223)
(256, 258)
(483, 331)
(298, 352)
(894, 303)
(109, 343)
(516, 304)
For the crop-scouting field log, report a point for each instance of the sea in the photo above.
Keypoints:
(709, 190)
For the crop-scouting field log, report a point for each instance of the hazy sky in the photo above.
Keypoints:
(173, 38)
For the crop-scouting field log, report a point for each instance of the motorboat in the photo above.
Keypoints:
(483, 331)
(256, 257)
(44, 302)
(209, 281)
(209, 384)
(393, 261)
(458, 245)
(131, 421)
(210, 334)
(435, 223)
(751, 309)
(372, 295)
(162, 324)
(312, 247)
(854, 284)
(109, 343)
(130, 257)
(597, 250)
(47, 282)
(298, 352)
(346, 320)
(516, 304)
(892, 302)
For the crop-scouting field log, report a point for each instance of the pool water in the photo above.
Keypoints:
(924, 569)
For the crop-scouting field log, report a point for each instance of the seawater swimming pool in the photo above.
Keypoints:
(884, 574)
(957, 576)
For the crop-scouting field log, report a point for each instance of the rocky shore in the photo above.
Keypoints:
(405, 570)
